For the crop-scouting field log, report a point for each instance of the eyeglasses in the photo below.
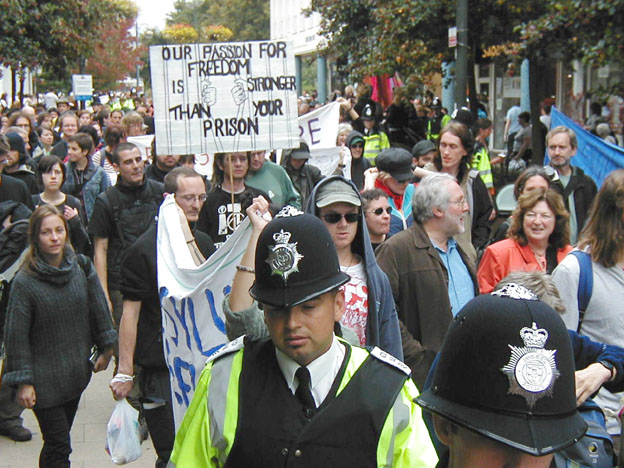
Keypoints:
(333, 218)
(357, 145)
(461, 202)
(191, 198)
(380, 210)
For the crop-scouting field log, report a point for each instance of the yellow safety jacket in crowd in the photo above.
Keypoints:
(374, 144)
(481, 162)
(226, 408)
(434, 136)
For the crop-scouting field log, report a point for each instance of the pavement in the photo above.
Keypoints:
(88, 434)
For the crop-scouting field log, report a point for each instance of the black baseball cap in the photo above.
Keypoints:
(506, 371)
(295, 261)
(397, 162)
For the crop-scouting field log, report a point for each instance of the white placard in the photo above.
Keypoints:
(224, 97)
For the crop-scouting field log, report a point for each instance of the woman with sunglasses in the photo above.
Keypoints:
(377, 214)
(370, 310)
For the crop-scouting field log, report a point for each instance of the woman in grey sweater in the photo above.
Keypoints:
(57, 312)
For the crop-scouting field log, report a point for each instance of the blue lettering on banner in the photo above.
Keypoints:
(213, 311)
(179, 366)
(181, 318)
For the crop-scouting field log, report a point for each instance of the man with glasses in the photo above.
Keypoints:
(140, 331)
(430, 275)
(369, 307)
(68, 126)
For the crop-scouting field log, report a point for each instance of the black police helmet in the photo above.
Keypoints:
(506, 371)
(295, 261)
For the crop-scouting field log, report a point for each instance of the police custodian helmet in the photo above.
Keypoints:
(295, 261)
(506, 371)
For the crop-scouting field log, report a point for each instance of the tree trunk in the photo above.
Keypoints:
(21, 87)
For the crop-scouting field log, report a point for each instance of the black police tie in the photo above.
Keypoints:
(304, 392)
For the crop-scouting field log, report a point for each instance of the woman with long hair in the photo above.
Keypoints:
(57, 312)
(538, 239)
(603, 319)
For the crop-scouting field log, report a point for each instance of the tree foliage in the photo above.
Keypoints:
(55, 35)
(246, 19)
(116, 55)
(410, 36)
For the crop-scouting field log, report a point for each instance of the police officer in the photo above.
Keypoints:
(301, 397)
(438, 121)
(375, 139)
(502, 393)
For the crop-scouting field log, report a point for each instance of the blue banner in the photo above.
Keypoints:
(594, 156)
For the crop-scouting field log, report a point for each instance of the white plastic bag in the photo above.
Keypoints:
(123, 442)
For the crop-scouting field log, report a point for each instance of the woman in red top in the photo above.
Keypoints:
(538, 239)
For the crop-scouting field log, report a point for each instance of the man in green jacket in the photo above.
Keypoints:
(302, 397)
(272, 179)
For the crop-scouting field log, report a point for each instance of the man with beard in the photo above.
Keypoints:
(161, 166)
(430, 275)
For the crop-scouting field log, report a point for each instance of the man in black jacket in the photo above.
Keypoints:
(140, 340)
(120, 216)
(579, 190)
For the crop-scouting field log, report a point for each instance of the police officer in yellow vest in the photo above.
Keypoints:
(302, 397)
(438, 121)
(375, 139)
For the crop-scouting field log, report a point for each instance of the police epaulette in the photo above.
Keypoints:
(389, 359)
(227, 348)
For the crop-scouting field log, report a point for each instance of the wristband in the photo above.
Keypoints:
(245, 268)
(122, 378)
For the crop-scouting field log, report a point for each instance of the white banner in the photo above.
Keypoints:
(224, 97)
(319, 128)
(191, 298)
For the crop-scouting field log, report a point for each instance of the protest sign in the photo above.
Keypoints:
(319, 129)
(224, 97)
(191, 298)
(594, 156)
(144, 143)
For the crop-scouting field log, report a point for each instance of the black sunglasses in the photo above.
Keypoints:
(333, 218)
(380, 210)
